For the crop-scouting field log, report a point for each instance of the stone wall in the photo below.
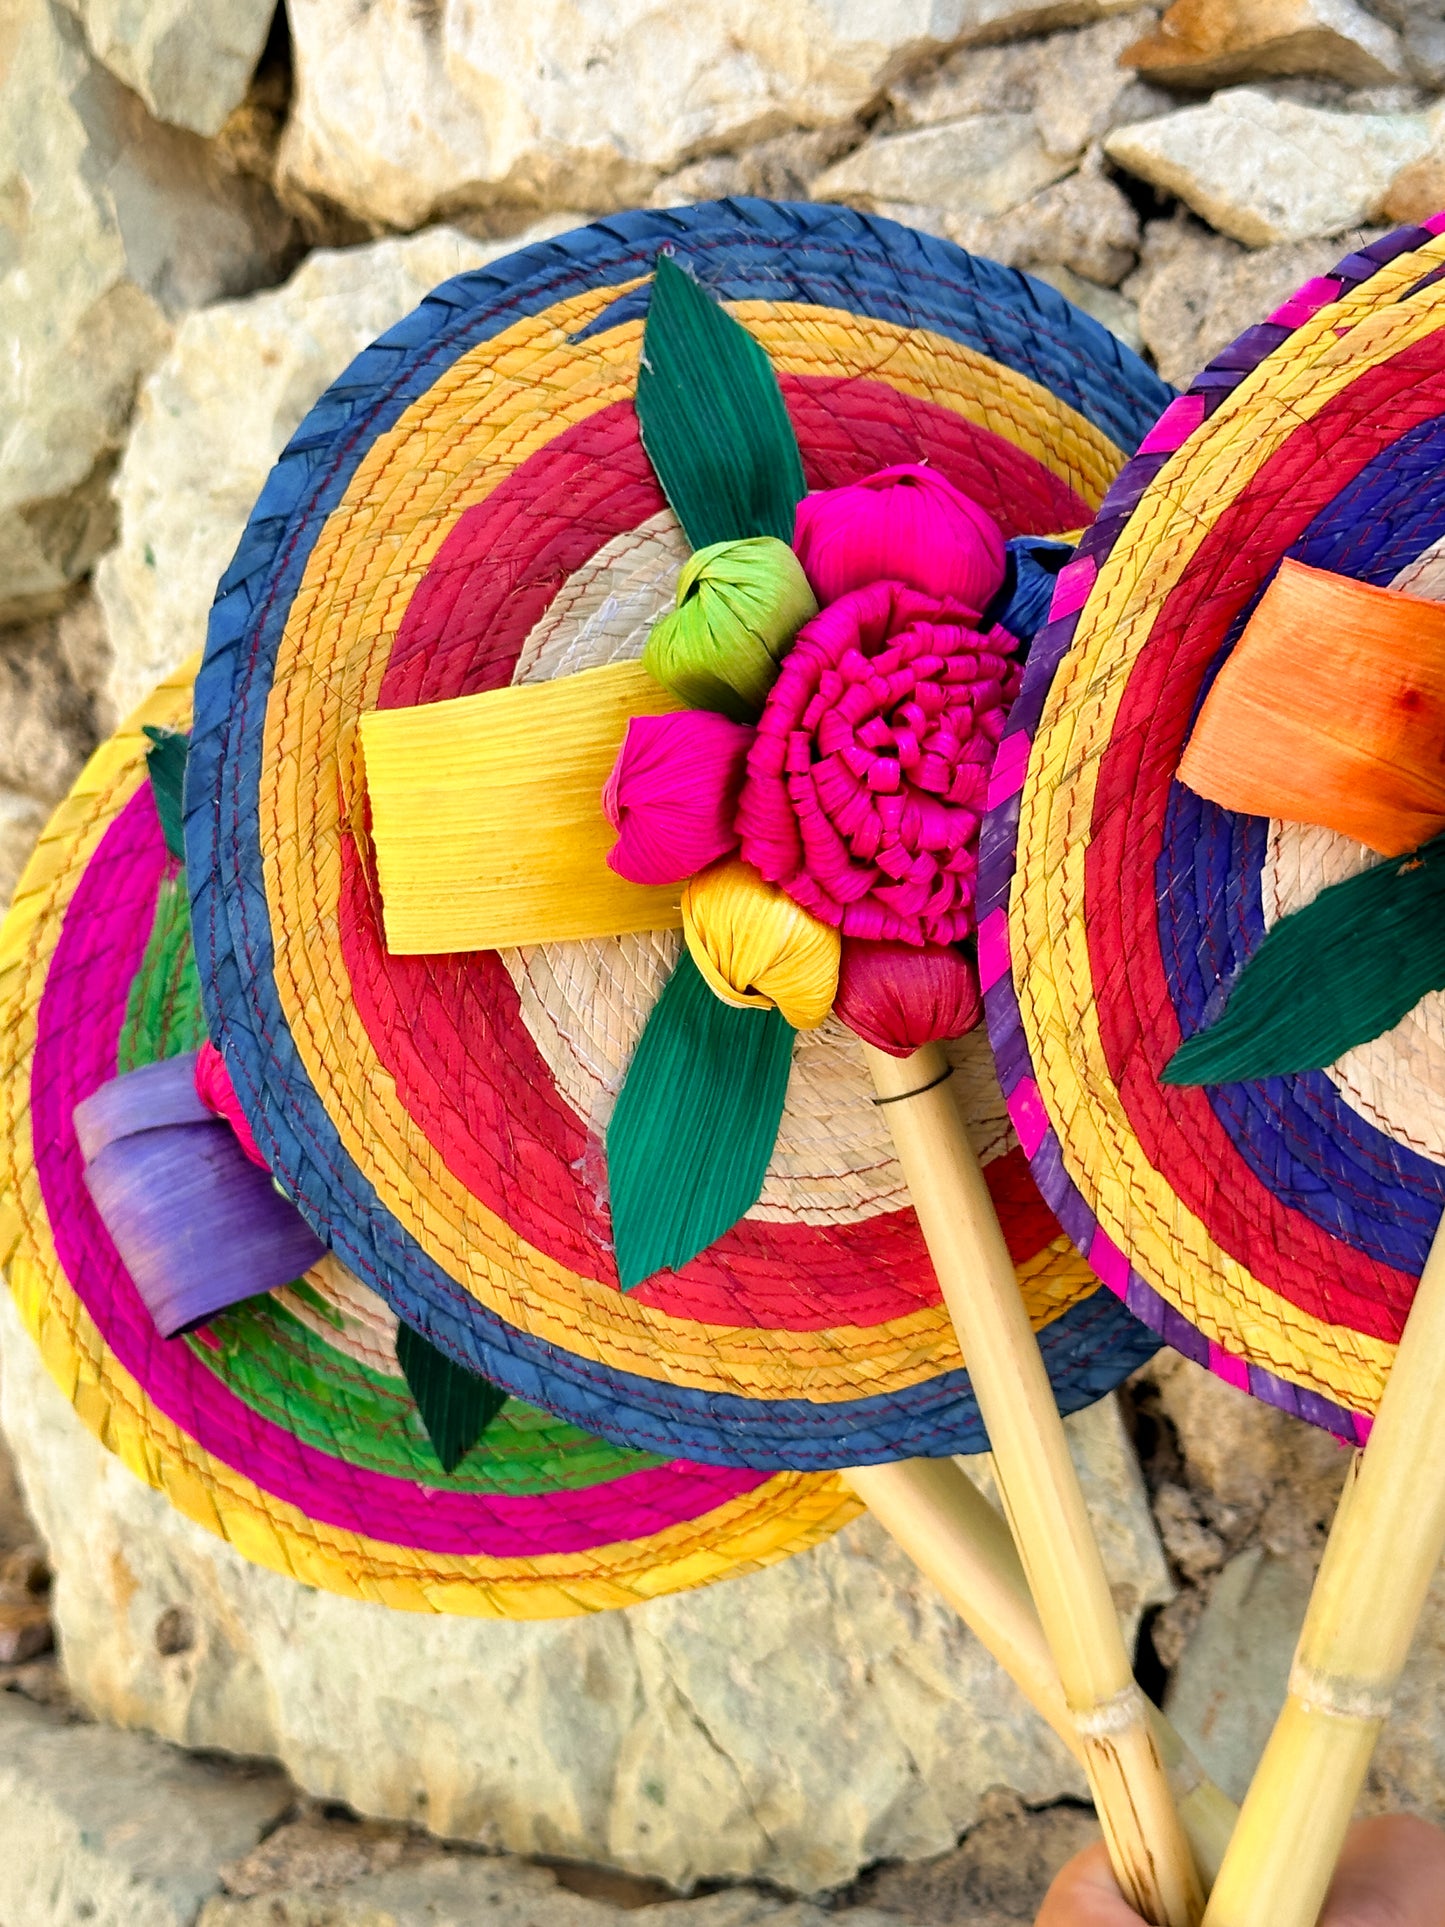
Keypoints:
(206, 208)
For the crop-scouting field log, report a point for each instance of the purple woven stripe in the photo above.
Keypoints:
(78, 1026)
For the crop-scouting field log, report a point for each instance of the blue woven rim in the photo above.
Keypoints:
(741, 249)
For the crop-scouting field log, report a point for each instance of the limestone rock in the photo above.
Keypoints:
(1071, 82)
(406, 113)
(110, 225)
(215, 415)
(467, 1891)
(1421, 24)
(1082, 225)
(189, 60)
(795, 1724)
(47, 715)
(781, 169)
(114, 1829)
(1231, 1683)
(982, 165)
(1005, 1864)
(1212, 43)
(1267, 170)
(50, 720)
(1196, 291)
(1262, 1474)
(1231, 1680)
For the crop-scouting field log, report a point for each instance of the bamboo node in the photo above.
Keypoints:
(1128, 1708)
(1320, 1692)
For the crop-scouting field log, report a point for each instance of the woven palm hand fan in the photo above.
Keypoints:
(650, 1184)
(1212, 952)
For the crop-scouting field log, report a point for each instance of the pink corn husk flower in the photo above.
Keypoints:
(673, 794)
(218, 1094)
(905, 524)
(865, 783)
(900, 999)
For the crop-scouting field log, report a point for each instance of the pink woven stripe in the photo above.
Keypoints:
(1030, 1119)
(1234, 1371)
(993, 958)
(1307, 301)
(1109, 1263)
(78, 1026)
(1010, 766)
(1174, 427)
(1071, 591)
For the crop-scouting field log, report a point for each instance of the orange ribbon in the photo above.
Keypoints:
(1330, 710)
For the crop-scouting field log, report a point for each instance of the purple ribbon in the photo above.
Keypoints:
(198, 1226)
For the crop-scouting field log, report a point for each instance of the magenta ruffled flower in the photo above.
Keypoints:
(865, 784)
(906, 524)
(673, 794)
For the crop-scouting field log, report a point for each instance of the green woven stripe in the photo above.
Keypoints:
(713, 419)
(1341, 971)
(163, 1015)
(695, 1124)
(286, 1373)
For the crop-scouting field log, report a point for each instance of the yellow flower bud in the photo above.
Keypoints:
(753, 945)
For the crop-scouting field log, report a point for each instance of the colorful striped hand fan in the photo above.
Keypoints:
(471, 510)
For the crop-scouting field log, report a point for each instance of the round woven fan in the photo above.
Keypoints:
(1272, 1227)
(284, 1423)
(470, 507)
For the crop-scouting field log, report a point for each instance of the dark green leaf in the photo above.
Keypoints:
(1344, 969)
(713, 420)
(166, 761)
(695, 1124)
(456, 1405)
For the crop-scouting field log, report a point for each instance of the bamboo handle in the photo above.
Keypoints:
(1384, 1547)
(1039, 1487)
(954, 1536)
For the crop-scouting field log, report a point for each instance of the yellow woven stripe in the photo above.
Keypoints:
(465, 857)
(784, 1515)
(487, 414)
(1137, 1207)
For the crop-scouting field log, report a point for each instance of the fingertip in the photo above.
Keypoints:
(1085, 1894)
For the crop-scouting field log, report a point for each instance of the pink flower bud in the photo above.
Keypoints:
(900, 999)
(906, 524)
(673, 794)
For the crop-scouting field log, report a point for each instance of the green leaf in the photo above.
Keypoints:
(695, 1124)
(166, 761)
(1341, 971)
(713, 420)
(456, 1405)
